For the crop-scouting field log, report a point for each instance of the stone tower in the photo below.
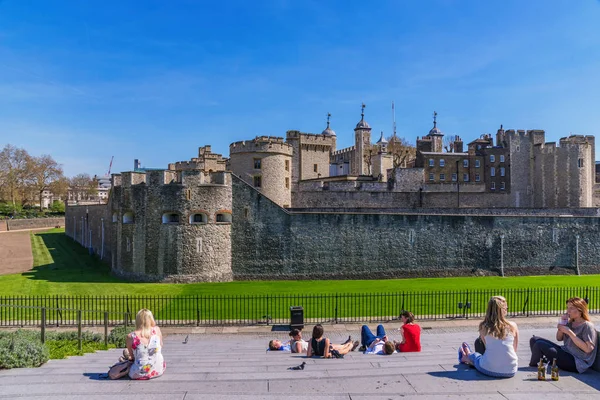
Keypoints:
(362, 139)
(436, 136)
(171, 225)
(266, 164)
(311, 154)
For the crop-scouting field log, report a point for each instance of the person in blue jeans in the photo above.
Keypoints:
(367, 337)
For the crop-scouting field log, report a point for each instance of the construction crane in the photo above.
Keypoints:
(110, 166)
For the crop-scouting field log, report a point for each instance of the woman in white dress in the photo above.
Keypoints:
(145, 347)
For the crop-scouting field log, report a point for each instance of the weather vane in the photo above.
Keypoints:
(362, 110)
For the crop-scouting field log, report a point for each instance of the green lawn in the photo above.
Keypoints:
(63, 268)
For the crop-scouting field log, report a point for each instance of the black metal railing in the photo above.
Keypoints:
(275, 309)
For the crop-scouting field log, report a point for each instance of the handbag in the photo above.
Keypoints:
(119, 370)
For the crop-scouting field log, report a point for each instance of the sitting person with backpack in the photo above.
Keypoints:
(144, 346)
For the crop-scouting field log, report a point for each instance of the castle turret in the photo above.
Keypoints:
(362, 138)
(264, 163)
(436, 136)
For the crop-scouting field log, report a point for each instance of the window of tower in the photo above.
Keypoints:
(115, 217)
(287, 165)
(128, 218)
(198, 218)
(257, 163)
(223, 218)
(257, 181)
(170, 218)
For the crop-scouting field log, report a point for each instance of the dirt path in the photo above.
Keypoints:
(15, 252)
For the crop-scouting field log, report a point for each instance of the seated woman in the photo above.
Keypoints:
(321, 347)
(579, 337)
(144, 346)
(411, 334)
(295, 345)
(501, 338)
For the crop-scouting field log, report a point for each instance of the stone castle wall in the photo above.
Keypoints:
(31, 223)
(271, 243)
(91, 227)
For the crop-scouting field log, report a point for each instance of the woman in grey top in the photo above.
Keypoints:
(579, 336)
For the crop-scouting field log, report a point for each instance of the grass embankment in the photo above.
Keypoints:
(64, 268)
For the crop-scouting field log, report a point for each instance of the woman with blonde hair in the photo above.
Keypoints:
(579, 337)
(145, 347)
(500, 337)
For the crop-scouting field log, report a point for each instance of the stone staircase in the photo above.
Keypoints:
(236, 366)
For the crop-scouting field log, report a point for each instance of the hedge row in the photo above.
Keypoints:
(23, 348)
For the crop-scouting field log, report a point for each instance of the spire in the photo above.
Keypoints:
(362, 124)
(435, 130)
(328, 131)
(382, 139)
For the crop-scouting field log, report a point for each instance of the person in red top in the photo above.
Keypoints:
(411, 334)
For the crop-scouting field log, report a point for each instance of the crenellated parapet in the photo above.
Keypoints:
(343, 151)
(261, 144)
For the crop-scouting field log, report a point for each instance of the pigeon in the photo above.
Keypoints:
(298, 367)
(186, 339)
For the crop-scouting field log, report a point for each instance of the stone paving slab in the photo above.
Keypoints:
(238, 367)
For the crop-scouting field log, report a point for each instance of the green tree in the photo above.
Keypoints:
(44, 171)
(15, 172)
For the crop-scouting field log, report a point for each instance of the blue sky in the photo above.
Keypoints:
(86, 80)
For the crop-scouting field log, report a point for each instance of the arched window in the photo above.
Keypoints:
(170, 218)
(128, 218)
(115, 217)
(198, 218)
(223, 217)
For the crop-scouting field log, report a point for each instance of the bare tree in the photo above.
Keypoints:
(44, 171)
(82, 187)
(15, 164)
(448, 143)
(403, 152)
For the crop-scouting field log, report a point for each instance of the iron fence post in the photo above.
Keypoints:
(268, 315)
(336, 308)
(79, 345)
(106, 328)
(43, 322)
(197, 312)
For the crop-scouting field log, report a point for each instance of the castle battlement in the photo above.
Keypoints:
(261, 144)
(310, 138)
(342, 151)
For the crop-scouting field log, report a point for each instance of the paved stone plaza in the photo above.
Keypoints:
(218, 364)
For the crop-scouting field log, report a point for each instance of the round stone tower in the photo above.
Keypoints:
(265, 163)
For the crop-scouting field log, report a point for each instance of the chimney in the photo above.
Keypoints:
(458, 145)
